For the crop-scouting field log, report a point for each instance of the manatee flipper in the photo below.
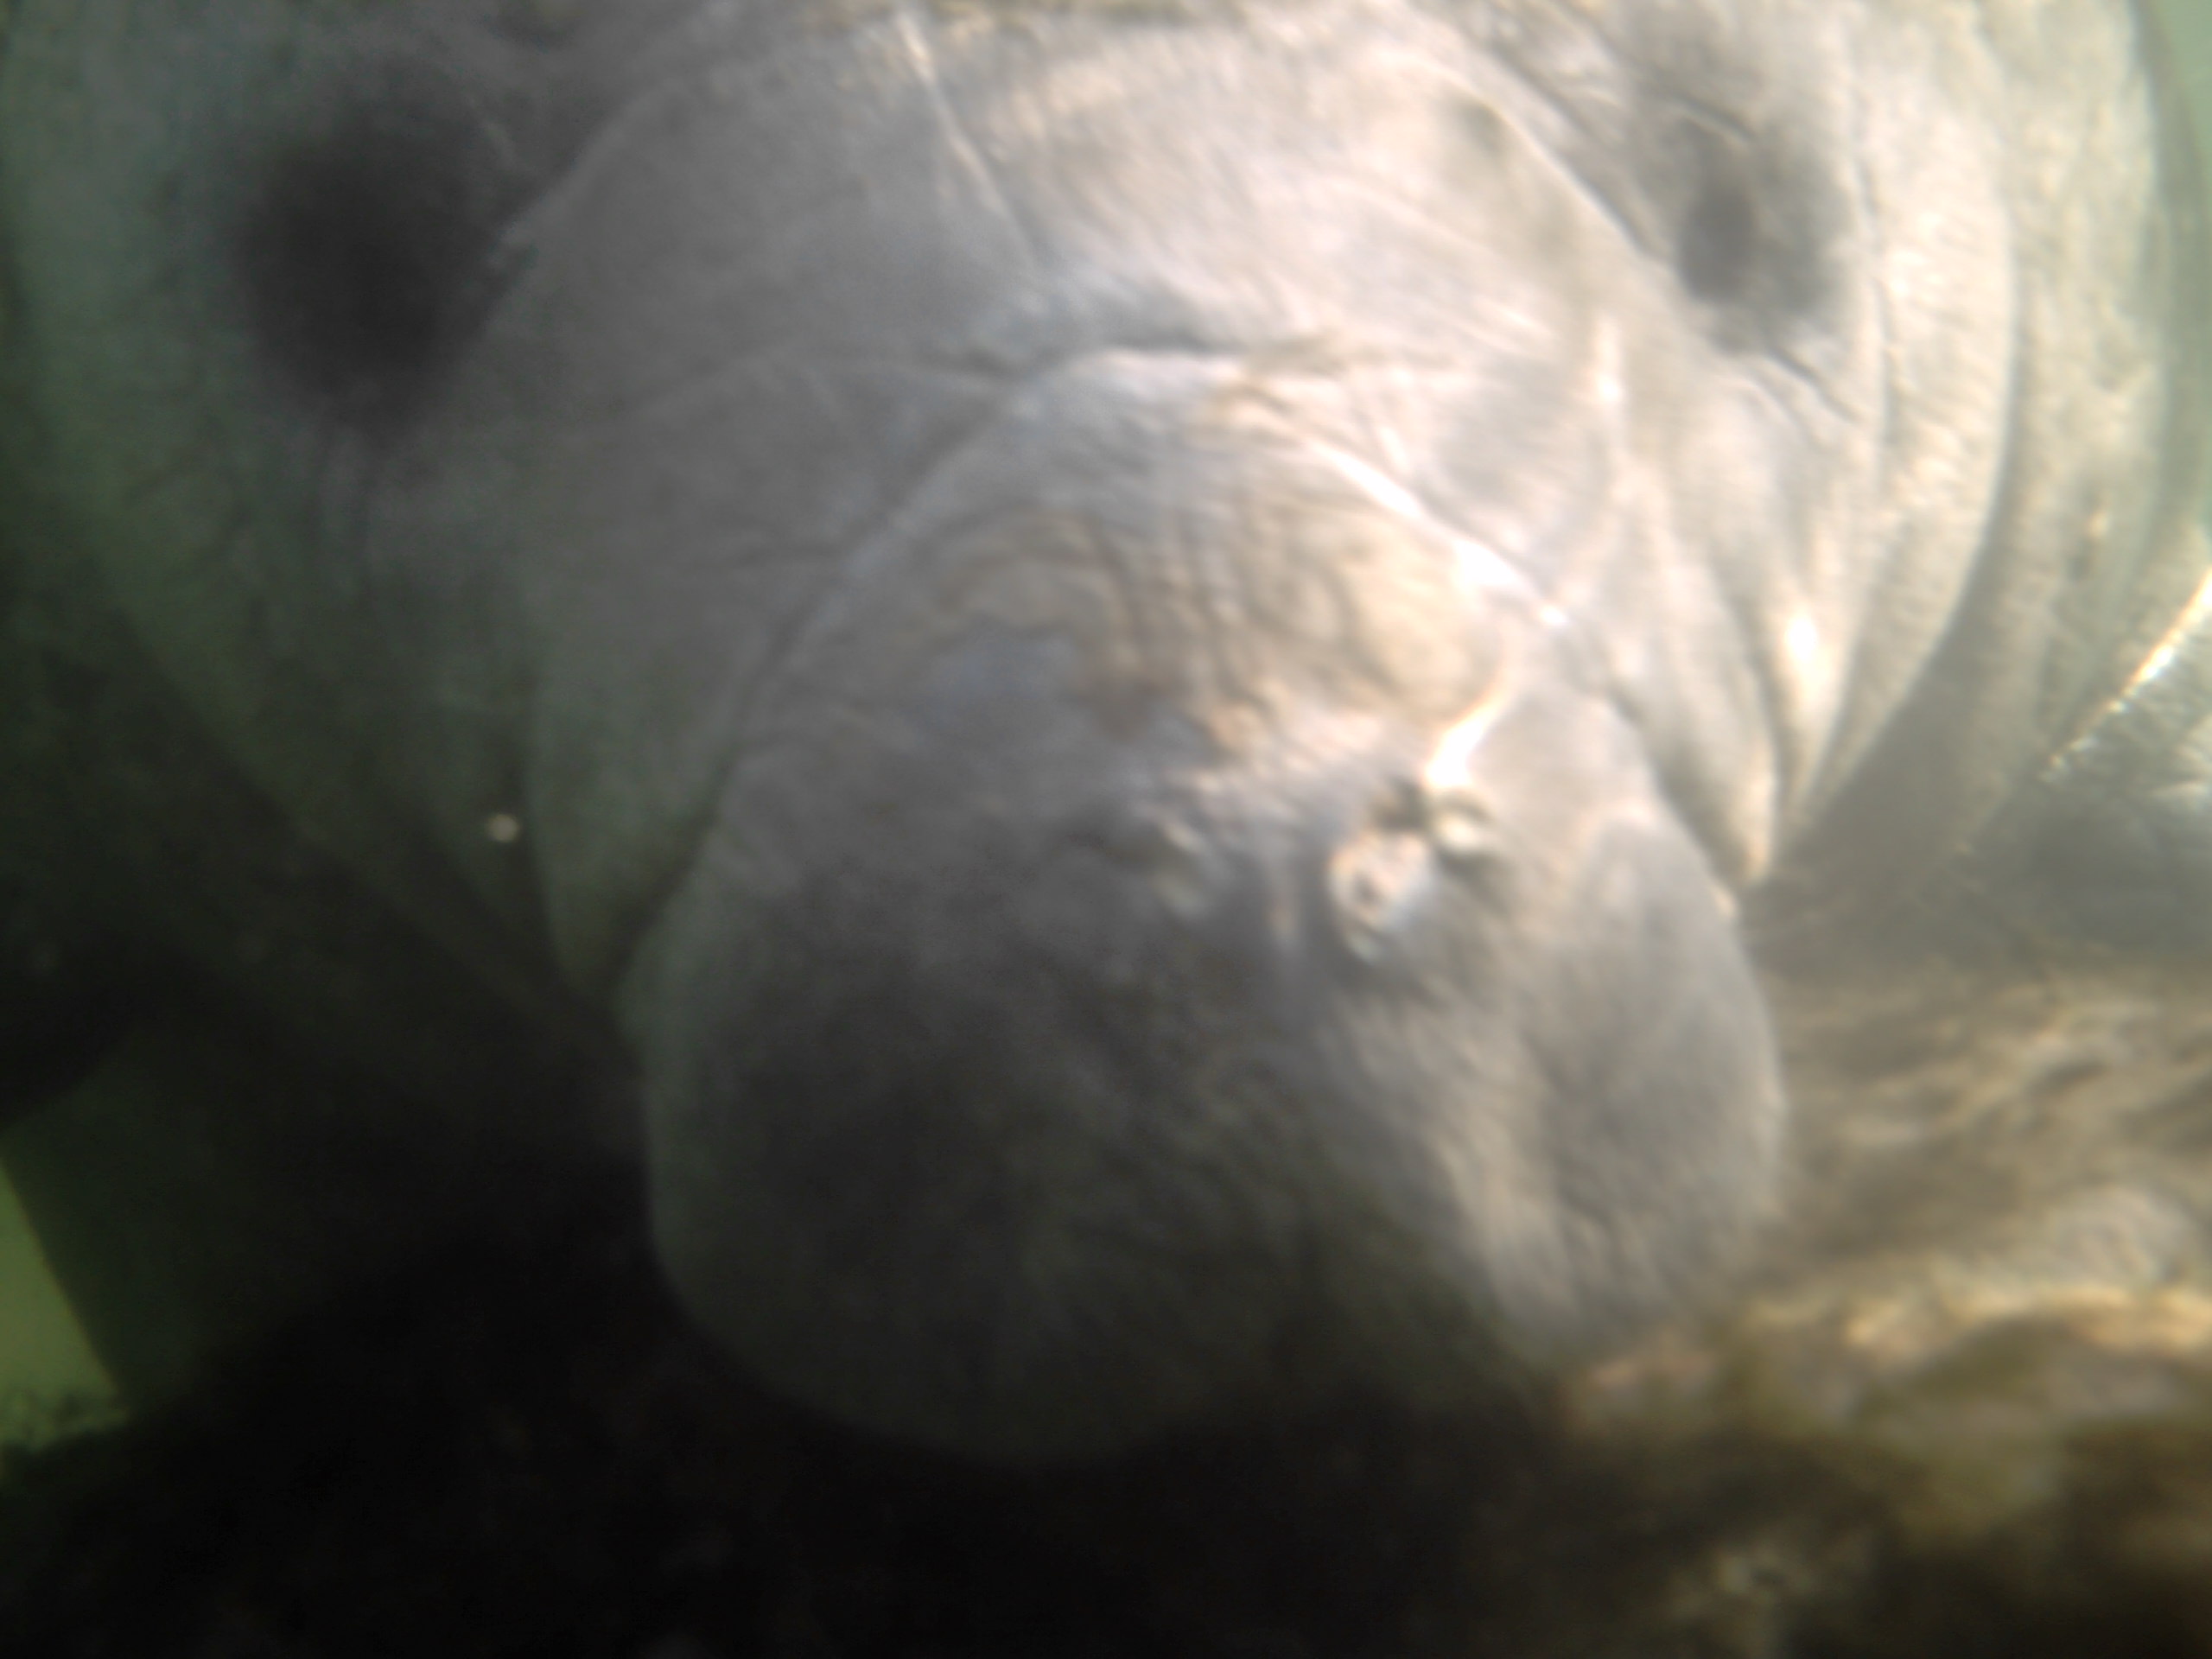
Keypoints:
(2112, 845)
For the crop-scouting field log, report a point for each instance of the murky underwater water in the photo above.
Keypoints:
(1966, 1408)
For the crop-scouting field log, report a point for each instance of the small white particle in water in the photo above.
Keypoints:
(503, 829)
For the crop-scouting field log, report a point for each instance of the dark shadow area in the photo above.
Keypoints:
(518, 1448)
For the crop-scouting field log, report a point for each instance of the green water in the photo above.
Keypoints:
(2189, 24)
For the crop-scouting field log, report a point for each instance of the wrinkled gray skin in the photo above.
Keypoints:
(1139, 665)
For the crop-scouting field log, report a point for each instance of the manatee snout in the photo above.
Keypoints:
(1156, 992)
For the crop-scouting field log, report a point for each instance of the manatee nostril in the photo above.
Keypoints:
(1382, 877)
(1377, 882)
(1461, 827)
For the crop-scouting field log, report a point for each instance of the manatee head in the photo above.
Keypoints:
(1116, 639)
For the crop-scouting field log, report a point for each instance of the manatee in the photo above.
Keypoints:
(1131, 689)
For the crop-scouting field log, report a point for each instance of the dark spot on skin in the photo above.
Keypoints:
(1720, 240)
(365, 258)
(1750, 217)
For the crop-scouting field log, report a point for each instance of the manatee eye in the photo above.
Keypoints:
(1719, 239)
(365, 257)
(1751, 218)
